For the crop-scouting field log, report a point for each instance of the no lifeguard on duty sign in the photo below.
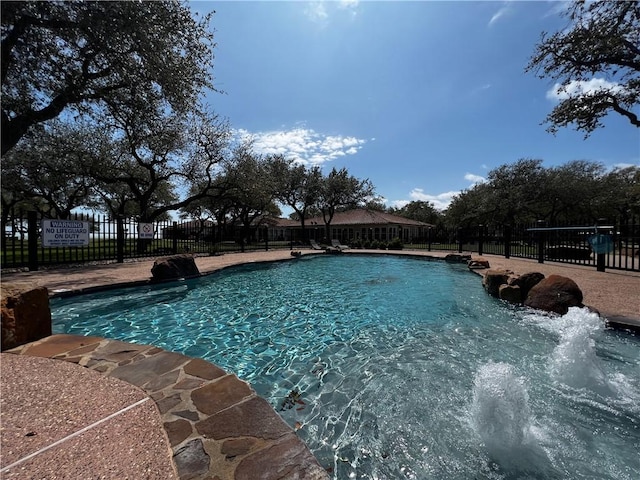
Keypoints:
(65, 233)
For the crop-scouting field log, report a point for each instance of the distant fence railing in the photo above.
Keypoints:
(27, 239)
(29, 242)
(614, 245)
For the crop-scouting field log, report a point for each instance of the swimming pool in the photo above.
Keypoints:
(396, 367)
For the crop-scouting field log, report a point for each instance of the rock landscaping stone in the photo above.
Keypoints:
(178, 431)
(220, 394)
(457, 258)
(174, 267)
(25, 314)
(493, 279)
(552, 294)
(191, 460)
(510, 293)
(251, 418)
(526, 282)
(555, 294)
(237, 446)
(147, 370)
(203, 369)
(477, 263)
(265, 466)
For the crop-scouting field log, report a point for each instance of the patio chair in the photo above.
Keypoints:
(314, 245)
(336, 244)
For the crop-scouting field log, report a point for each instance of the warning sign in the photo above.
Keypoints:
(65, 233)
(145, 230)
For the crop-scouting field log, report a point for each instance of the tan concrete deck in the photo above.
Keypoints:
(215, 427)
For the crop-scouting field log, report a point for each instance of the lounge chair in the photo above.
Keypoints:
(315, 245)
(336, 244)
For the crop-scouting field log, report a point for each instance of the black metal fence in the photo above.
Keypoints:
(33, 243)
(614, 245)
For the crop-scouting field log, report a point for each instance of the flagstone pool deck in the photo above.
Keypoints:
(111, 409)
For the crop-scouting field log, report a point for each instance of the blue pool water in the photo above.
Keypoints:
(405, 368)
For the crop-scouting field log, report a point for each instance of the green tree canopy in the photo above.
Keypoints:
(421, 211)
(595, 62)
(79, 57)
(251, 188)
(525, 191)
(298, 187)
(48, 171)
(341, 191)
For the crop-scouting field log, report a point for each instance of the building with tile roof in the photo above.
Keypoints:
(357, 224)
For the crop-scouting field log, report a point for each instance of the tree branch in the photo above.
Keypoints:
(633, 118)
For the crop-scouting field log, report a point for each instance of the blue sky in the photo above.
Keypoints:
(423, 98)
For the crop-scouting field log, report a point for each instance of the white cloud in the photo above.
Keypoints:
(582, 87)
(317, 12)
(502, 12)
(474, 179)
(480, 89)
(441, 200)
(320, 11)
(348, 3)
(620, 166)
(302, 145)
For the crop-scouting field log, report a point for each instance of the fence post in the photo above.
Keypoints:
(266, 238)
(32, 240)
(480, 239)
(119, 239)
(541, 241)
(507, 241)
(429, 239)
(174, 238)
(460, 240)
(600, 257)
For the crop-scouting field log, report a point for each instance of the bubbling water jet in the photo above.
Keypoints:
(574, 361)
(501, 416)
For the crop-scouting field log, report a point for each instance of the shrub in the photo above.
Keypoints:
(395, 244)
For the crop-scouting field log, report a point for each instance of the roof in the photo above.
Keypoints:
(362, 216)
(285, 223)
(195, 224)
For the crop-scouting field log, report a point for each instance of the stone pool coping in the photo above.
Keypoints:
(613, 293)
(216, 426)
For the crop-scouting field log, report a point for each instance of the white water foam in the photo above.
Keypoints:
(501, 416)
(574, 362)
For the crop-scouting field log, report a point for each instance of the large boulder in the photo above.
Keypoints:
(555, 294)
(510, 293)
(493, 279)
(26, 316)
(174, 267)
(477, 263)
(457, 258)
(526, 282)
